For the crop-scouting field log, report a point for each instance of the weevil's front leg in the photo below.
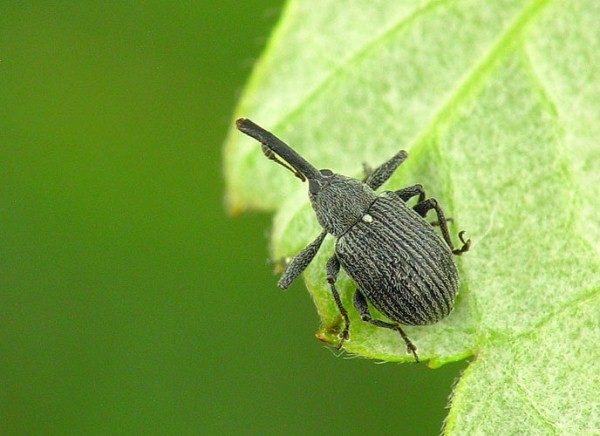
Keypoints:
(379, 176)
(360, 302)
(333, 268)
(300, 262)
(431, 203)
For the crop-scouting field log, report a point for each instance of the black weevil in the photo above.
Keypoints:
(399, 263)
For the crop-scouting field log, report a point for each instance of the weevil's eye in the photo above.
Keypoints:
(327, 173)
(313, 187)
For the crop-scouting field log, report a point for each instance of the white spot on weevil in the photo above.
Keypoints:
(367, 218)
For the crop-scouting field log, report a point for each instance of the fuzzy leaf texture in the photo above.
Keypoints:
(498, 106)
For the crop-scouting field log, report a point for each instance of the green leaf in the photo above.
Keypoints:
(498, 105)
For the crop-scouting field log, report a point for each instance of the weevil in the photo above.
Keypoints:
(399, 263)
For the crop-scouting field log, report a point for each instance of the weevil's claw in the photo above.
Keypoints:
(343, 338)
(466, 244)
(412, 349)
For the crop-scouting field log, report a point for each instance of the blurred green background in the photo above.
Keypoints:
(129, 300)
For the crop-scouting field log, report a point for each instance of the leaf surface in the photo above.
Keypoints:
(498, 105)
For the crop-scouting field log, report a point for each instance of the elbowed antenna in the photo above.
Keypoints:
(273, 145)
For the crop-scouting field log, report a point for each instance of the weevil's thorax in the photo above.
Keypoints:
(340, 202)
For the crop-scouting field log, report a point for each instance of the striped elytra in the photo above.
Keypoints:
(407, 271)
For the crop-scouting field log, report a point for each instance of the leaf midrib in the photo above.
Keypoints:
(472, 81)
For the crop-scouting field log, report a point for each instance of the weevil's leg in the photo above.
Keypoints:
(384, 172)
(333, 268)
(431, 203)
(360, 302)
(425, 206)
(409, 192)
(437, 223)
(300, 262)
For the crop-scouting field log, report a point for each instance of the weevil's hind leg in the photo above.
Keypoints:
(379, 176)
(333, 268)
(431, 203)
(300, 262)
(360, 302)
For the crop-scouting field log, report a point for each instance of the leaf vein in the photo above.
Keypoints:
(587, 295)
(528, 401)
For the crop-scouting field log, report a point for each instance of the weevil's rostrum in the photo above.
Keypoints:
(397, 260)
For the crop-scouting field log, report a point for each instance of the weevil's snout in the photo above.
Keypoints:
(278, 151)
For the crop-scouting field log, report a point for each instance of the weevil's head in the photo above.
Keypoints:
(339, 201)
